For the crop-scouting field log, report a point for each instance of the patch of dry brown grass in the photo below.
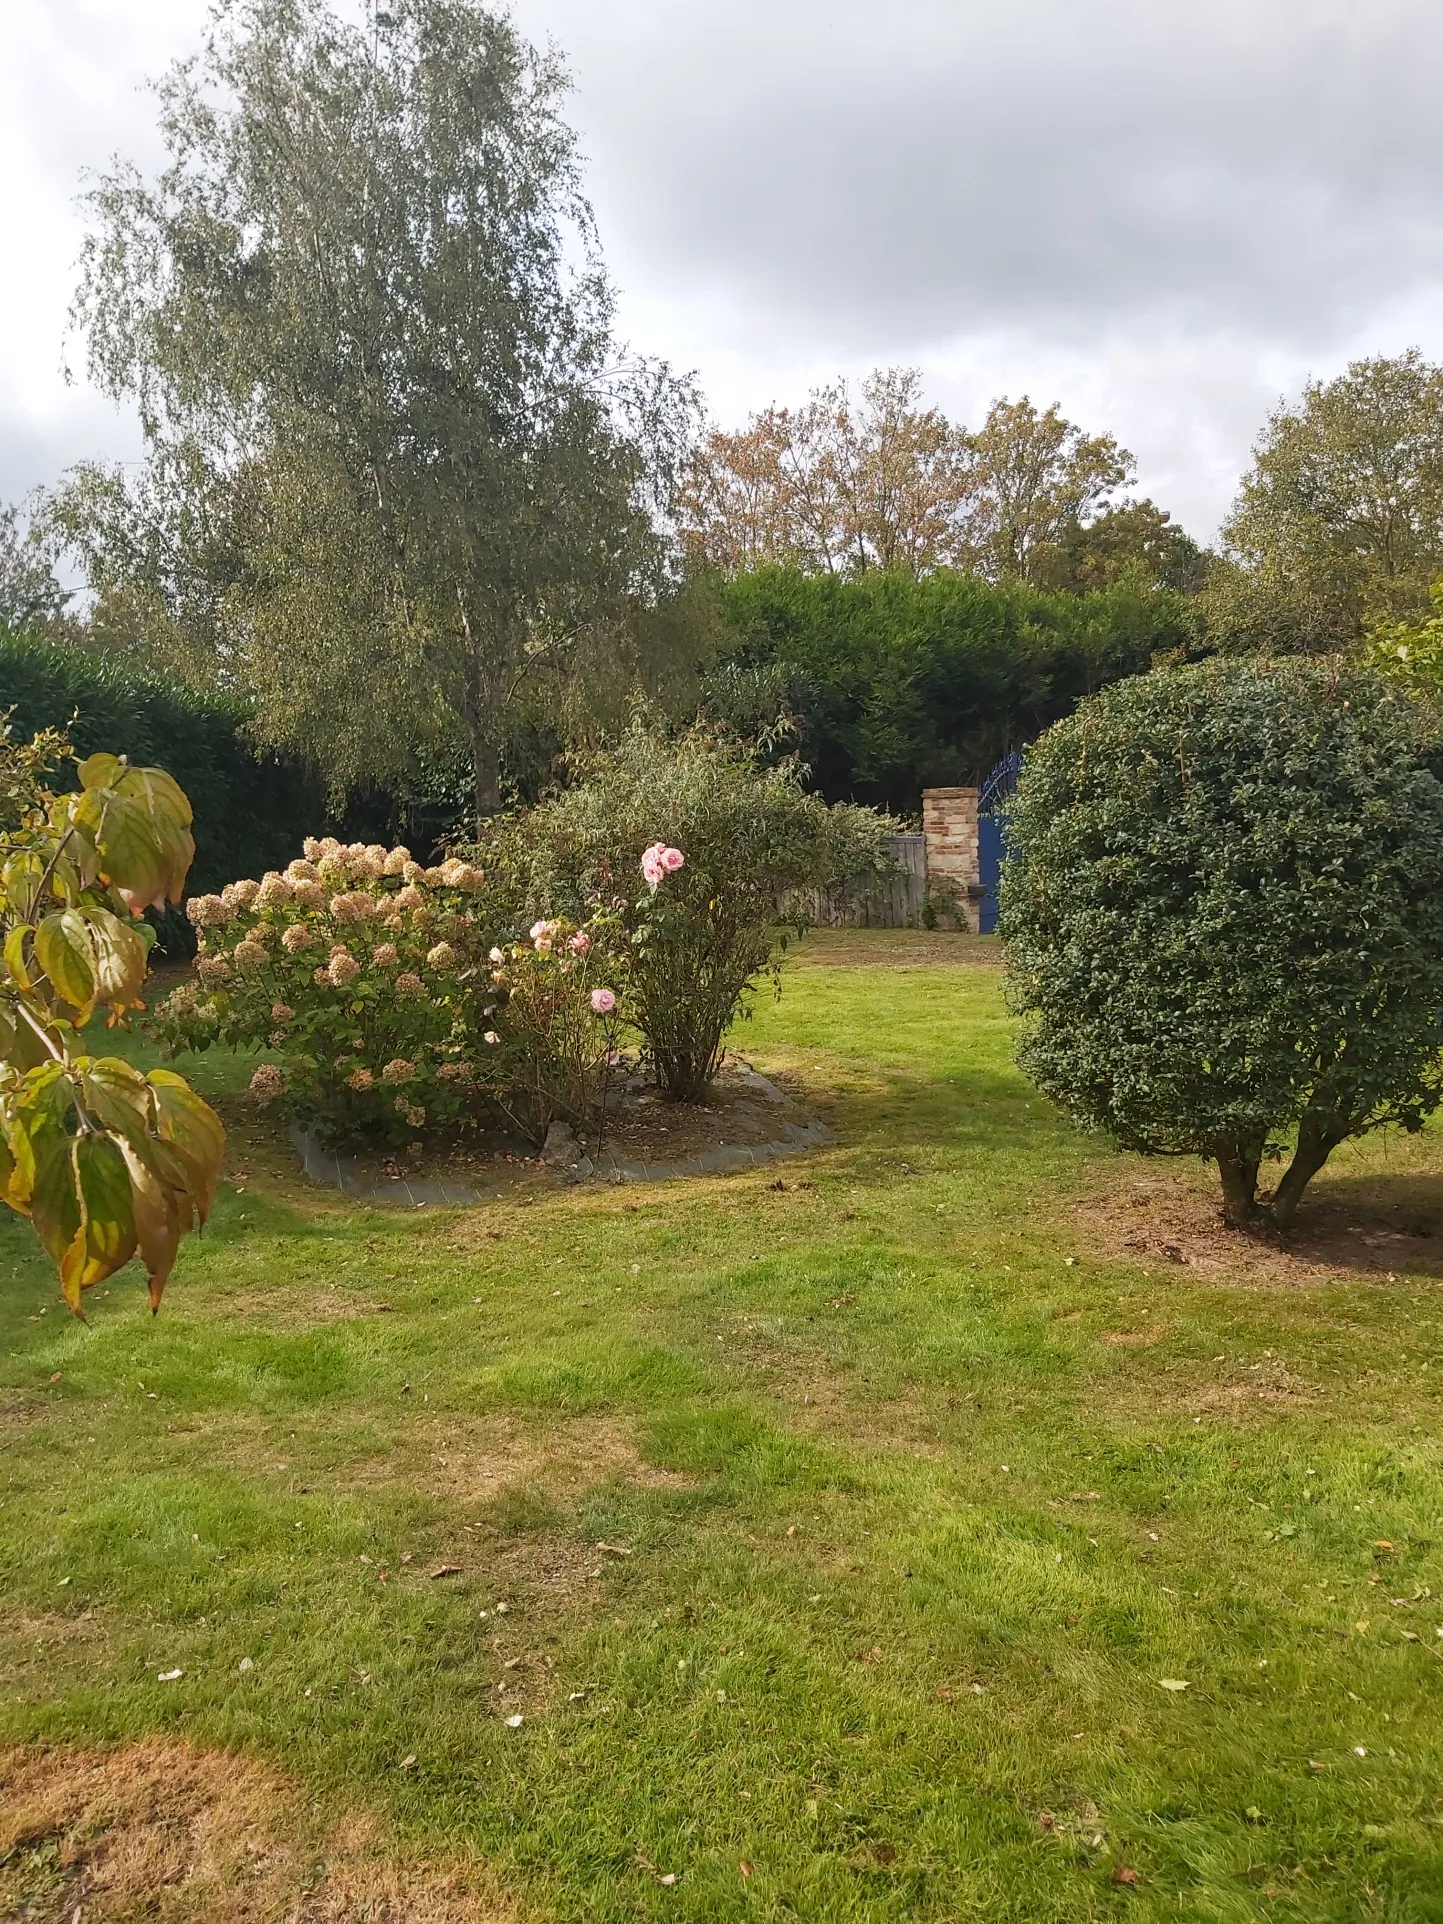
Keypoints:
(165, 1831)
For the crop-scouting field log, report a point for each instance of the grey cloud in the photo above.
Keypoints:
(924, 169)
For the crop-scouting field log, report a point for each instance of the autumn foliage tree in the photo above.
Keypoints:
(855, 482)
(107, 1162)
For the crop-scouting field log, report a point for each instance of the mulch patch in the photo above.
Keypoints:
(1349, 1227)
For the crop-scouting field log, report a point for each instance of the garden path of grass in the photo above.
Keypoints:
(911, 1501)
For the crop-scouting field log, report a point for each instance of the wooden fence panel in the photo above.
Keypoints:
(893, 904)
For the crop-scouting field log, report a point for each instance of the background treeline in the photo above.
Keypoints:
(250, 808)
(426, 547)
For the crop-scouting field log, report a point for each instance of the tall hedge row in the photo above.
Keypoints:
(905, 684)
(251, 811)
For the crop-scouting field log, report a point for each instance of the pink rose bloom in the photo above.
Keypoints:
(579, 943)
(603, 1001)
(672, 859)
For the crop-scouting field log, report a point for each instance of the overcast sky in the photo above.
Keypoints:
(1162, 213)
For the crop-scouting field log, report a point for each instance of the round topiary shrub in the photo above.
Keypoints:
(1223, 915)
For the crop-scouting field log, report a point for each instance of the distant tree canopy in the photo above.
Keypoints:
(1338, 525)
(848, 485)
(399, 470)
(30, 595)
(898, 683)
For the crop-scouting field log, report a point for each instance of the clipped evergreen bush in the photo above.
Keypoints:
(1223, 914)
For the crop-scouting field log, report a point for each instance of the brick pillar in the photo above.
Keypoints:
(949, 835)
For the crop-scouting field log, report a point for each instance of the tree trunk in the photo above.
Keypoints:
(1316, 1142)
(486, 761)
(1238, 1166)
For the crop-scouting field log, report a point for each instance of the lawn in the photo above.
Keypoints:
(831, 1528)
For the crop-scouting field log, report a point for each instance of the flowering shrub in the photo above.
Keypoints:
(364, 972)
(557, 1021)
(722, 842)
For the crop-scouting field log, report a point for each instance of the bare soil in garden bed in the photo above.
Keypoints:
(742, 1112)
(1351, 1221)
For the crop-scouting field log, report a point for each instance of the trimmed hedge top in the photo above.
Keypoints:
(251, 810)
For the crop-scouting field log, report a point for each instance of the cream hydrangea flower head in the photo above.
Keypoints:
(268, 1082)
(297, 937)
(274, 892)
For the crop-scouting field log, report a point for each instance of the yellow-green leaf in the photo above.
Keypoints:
(105, 1239)
(101, 771)
(194, 1131)
(15, 955)
(65, 952)
(162, 1216)
(120, 957)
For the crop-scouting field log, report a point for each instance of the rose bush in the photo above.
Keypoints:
(723, 842)
(557, 1018)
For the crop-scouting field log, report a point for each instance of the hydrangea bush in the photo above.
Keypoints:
(381, 986)
(361, 970)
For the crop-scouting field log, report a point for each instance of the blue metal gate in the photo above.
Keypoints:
(991, 831)
(989, 869)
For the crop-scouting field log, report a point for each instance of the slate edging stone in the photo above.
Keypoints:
(331, 1170)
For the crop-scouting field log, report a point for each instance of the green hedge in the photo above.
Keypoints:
(905, 684)
(251, 811)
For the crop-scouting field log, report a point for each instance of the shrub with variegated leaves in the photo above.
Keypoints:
(364, 973)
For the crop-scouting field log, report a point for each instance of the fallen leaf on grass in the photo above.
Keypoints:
(406, 1762)
(944, 1693)
(515, 1722)
(168, 1676)
(614, 1549)
(446, 1570)
(745, 1868)
(1125, 1874)
(1174, 1683)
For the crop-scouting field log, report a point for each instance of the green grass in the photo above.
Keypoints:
(911, 1545)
